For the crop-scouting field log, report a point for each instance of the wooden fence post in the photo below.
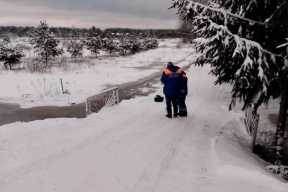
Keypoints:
(62, 85)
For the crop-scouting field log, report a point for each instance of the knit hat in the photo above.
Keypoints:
(170, 64)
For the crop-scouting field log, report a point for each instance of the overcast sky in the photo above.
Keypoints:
(86, 13)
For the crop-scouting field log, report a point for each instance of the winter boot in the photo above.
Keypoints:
(169, 112)
(175, 111)
(182, 113)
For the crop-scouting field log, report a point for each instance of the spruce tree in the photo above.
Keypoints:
(109, 45)
(45, 44)
(93, 41)
(239, 40)
(149, 43)
(10, 55)
(134, 44)
(240, 47)
(75, 44)
(123, 46)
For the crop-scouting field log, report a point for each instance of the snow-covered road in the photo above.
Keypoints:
(135, 148)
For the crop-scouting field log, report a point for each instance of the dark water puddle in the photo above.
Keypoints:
(11, 113)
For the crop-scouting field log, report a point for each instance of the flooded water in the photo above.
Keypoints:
(11, 113)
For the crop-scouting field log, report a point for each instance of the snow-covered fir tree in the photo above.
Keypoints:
(235, 40)
(10, 55)
(75, 45)
(150, 43)
(93, 41)
(123, 46)
(239, 41)
(45, 44)
(134, 44)
(109, 45)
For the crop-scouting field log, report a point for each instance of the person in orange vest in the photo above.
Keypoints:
(172, 80)
(182, 96)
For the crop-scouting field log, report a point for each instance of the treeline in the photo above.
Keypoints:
(65, 31)
(47, 47)
(159, 33)
(26, 31)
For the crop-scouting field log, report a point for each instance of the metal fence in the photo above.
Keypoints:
(107, 98)
(251, 121)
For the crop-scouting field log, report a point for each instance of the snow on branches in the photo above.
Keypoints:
(281, 171)
(109, 45)
(185, 7)
(75, 48)
(10, 55)
(75, 45)
(285, 58)
(93, 41)
(45, 44)
(227, 42)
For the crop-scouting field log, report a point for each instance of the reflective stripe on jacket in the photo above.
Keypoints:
(172, 79)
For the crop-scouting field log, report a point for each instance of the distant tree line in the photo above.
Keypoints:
(66, 31)
(26, 31)
(159, 33)
(47, 46)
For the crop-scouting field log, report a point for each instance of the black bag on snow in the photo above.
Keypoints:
(158, 98)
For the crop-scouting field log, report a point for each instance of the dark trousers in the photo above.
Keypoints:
(182, 105)
(171, 99)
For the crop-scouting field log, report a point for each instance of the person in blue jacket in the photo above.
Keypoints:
(172, 80)
(182, 96)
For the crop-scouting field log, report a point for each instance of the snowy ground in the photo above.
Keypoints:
(89, 78)
(134, 147)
